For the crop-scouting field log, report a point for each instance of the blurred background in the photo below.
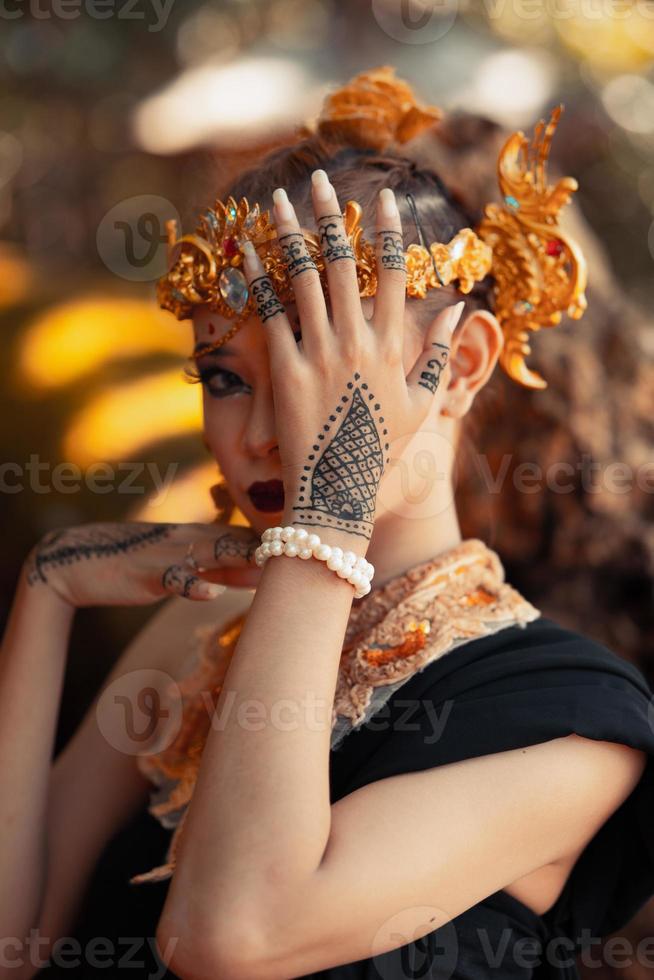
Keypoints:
(115, 117)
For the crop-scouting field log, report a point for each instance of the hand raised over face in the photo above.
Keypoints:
(342, 397)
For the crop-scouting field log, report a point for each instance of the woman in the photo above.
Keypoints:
(433, 773)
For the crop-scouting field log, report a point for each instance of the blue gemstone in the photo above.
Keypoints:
(512, 201)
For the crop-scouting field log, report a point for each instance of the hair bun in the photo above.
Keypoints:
(373, 110)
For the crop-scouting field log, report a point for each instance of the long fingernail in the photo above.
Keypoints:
(455, 315)
(284, 210)
(211, 589)
(322, 189)
(388, 203)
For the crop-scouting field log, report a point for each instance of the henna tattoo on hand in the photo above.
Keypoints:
(70, 545)
(178, 580)
(390, 247)
(296, 254)
(431, 379)
(231, 546)
(342, 476)
(266, 299)
(334, 243)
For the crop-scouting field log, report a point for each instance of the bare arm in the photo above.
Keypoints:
(259, 820)
(56, 817)
(32, 665)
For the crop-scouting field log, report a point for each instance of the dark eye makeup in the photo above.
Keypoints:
(216, 381)
(219, 382)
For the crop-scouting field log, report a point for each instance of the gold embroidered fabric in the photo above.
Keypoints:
(392, 633)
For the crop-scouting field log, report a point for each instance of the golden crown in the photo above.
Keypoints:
(539, 272)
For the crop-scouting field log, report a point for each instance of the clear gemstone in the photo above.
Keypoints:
(252, 217)
(233, 288)
(456, 251)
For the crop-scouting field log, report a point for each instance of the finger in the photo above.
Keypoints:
(424, 378)
(270, 310)
(235, 578)
(338, 254)
(181, 580)
(302, 272)
(391, 267)
(231, 548)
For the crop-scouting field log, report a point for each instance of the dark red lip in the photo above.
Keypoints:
(267, 496)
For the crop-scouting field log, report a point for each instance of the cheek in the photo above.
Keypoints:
(221, 429)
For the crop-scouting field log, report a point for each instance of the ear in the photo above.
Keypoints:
(476, 346)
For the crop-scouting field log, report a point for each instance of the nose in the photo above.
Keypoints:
(260, 435)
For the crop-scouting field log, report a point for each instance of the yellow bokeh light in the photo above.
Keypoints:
(186, 499)
(608, 42)
(125, 418)
(73, 339)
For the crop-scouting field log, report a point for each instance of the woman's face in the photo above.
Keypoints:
(239, 415)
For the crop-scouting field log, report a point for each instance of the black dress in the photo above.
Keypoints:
(517, 687)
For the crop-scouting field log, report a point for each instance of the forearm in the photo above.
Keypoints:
(259, 820)
(32, 665)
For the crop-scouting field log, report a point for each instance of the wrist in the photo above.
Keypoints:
(34, 590)
(301, 541)
(333, 536)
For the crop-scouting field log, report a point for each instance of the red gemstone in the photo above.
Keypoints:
(554, 247)
(230, 247)
(211, 328)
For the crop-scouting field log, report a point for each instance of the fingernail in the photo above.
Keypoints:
(455, 315)
(284, 210)
(388, 203)
(211, 589)
(322, 189)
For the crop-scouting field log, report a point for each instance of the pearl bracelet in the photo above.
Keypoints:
(298, 541)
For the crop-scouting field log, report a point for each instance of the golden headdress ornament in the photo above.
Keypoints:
(539, 272)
